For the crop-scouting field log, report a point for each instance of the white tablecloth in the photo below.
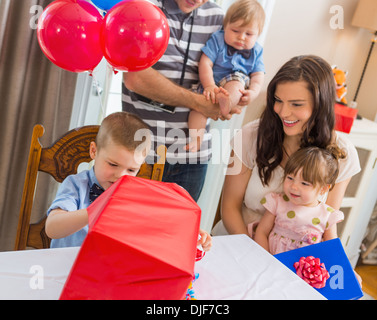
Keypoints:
(235, 268)
(238, 268)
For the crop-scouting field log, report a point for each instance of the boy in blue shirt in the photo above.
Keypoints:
(122, 144)
(231, 67)
(117, 151)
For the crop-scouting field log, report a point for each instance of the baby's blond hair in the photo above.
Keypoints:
(247, 11)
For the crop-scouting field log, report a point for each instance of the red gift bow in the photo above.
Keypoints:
(199, 254)
(312, 271)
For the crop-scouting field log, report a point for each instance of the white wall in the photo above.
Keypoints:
(303, 27)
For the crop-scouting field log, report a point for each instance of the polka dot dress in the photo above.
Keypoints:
(297, 226)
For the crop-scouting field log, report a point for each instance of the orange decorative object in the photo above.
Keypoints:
(341, 87)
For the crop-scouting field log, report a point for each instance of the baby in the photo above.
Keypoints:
(297, 217)
(231, 59)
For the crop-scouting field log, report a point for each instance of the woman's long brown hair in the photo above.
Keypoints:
(318, 132)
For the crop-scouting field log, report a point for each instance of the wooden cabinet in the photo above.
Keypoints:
(361, 194)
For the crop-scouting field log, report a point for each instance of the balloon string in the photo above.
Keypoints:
(99, 94)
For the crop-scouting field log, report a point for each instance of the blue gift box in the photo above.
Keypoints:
(342, 284)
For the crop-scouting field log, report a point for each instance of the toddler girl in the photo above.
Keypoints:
(297, 217)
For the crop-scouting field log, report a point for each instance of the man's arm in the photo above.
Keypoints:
(153, 85)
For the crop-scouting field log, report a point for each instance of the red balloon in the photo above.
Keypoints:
(134, 36)
(69, 35)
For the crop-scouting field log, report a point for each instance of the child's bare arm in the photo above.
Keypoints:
(61, 223)
(206, 77)
(263, 230)
(205, 240)
(256, 82)
(205, 71)
(330, 233)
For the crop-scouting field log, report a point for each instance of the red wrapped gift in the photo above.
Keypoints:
(141, 243)
(344, 117)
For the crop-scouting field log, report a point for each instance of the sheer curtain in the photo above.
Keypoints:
(32, 90)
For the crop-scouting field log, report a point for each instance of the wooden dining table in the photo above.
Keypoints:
(236, 268)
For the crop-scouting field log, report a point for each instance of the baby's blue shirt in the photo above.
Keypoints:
(72, 195)
(223, 64)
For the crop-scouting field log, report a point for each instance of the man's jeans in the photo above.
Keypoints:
(189, 176)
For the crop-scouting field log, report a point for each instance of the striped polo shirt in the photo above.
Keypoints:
(171, 129)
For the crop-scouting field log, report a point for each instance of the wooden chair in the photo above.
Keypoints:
(61, 160)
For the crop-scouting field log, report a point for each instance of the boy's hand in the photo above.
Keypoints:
(205, 240)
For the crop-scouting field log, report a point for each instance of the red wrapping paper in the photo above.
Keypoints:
(141, 244)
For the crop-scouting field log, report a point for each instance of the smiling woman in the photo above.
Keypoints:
(306, 89)
(299, 113)
(294, 106)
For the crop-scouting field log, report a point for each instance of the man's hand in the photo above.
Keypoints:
(206, 107)
(153, 85)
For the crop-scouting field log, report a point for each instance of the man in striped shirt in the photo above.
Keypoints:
(168, 83)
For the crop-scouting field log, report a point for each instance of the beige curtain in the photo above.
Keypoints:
(32, 90)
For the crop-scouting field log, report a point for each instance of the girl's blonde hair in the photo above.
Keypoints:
(246, 10)
(319, 166)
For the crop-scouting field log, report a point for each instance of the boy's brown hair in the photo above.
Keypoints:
(319, 166)
(246, 10)
(125, 129)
